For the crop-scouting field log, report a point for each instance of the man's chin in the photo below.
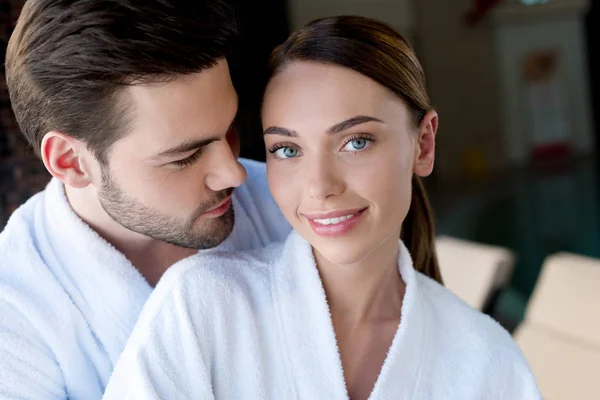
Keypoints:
(201, 234)
(212, 232)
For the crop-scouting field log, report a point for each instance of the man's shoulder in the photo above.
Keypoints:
(33, 313)
(256, 182)
(254, 192)
(253, 167)
(25, 280)
(259, 207)
(17, 239)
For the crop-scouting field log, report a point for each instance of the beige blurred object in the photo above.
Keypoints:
(561, 333)
(567, 297)
(473, 271)
(564, 368)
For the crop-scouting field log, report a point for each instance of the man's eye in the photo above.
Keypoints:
(189, 160)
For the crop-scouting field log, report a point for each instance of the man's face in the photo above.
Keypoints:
(171, 177)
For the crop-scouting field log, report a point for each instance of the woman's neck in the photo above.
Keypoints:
(370, 290)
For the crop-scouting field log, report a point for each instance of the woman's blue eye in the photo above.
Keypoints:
(286, 152)
(356, 144)
(359, 144)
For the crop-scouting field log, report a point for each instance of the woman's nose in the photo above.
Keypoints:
(324, 179)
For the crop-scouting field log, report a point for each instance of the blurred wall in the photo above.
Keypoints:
(263, 25)
(398, 13)
(593, 42)
(544, 106)
(459, 64)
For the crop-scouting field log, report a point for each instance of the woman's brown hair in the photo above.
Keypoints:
(374, 49)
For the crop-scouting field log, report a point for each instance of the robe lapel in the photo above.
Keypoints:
(306, 324)
(103, 284)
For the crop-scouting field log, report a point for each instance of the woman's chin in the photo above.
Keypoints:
(339, 254)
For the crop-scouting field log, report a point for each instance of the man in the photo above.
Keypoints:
(130, 106)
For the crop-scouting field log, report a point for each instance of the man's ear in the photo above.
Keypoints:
(62, 156)
(425, 157)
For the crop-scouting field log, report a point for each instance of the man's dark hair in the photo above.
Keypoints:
(68, 60)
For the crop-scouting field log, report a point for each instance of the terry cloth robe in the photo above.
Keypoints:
(69, 300)
(260, 328)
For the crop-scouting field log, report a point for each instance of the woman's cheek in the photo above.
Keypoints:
(284, 186)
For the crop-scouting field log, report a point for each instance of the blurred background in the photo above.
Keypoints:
(517, 88)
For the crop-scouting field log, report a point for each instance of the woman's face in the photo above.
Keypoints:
(341, 152)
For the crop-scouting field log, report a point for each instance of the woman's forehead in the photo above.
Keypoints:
(311, 94)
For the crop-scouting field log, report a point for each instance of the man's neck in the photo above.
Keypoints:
(151, 257)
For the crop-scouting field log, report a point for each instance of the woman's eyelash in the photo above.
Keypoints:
(189, 160)
(362, 136)
(278, 146)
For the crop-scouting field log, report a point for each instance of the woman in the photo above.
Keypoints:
(342, 309)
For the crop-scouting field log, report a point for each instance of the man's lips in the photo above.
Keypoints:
(219, 209)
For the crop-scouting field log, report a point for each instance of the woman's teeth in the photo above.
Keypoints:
(333, 221)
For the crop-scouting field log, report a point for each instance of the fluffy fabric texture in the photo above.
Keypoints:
(256, 325)
(69, 300)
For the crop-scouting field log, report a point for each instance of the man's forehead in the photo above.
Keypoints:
(208, 87)
(171, 113)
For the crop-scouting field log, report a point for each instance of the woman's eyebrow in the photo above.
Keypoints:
(337, 128)
(277, 130)
(349, 123)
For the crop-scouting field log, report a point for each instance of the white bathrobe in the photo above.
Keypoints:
(69, 300)
(256, 325)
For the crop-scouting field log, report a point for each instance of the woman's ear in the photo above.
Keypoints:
(425, 157)
(62, 157)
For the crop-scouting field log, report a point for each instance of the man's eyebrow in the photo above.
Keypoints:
(196, 144)
(187, 146)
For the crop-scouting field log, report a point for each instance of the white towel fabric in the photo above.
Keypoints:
(256, 325)
(69, 300)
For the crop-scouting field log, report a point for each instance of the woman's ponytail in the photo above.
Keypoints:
(418, 233)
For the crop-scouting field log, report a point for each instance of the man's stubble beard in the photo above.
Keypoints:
(188, 233)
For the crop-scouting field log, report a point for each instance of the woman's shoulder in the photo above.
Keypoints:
(465, 326)
(478, 348)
